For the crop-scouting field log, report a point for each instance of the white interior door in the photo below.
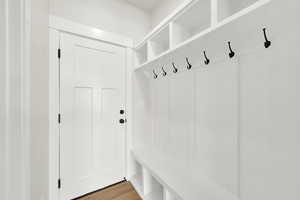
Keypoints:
(92, 138)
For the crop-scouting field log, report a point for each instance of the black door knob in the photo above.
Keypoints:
(122, 121)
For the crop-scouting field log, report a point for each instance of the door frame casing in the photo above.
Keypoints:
(56, 27)
(15, 92)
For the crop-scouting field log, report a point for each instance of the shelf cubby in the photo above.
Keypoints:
(159, 43)
(137, 179)
(169, 195)
(153, 190)
(191, 22)
(147, 184)
(227, 8)
(142, 54)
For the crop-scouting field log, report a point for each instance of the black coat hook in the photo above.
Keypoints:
(206, 59)
(175, 70)
(267, 42)
(164, 72)
(154, 75)
(189, 66)
(231, 53)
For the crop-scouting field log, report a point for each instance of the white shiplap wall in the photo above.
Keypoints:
(234, 121)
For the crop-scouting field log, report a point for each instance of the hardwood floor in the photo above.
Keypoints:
(122, 191)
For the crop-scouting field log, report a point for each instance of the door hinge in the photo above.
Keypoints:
(59, 183)
(59, 118)
(59, 53)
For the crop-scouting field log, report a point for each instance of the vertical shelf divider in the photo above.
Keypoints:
(148, 182)
(137, 178)
(168, 195)
(150, 51)
(214, 12)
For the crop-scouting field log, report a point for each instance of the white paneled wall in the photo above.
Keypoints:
(161, 113)
(229, 129)
(142, 128)
(269, 122)
(234, 121)
(195, 121)
(215, 148)
(181, 116)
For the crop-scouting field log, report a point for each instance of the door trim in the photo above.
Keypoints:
(57, 26)
(68, 26)
(15, 47)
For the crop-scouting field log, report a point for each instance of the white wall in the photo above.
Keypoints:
(39, 77)
(110, 15)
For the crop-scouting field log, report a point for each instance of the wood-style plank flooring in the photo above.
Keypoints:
(122, 191)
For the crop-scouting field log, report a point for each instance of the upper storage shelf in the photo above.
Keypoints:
(159, 43)
(193, 20)
(227, 8)
(141, 54)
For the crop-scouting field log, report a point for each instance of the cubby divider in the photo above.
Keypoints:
(168, 195)
(137, 179)
(153, 190)
(147, 186)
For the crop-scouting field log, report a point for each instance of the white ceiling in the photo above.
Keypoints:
(144, 4)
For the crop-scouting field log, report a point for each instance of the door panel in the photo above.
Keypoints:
(92, 76)
(108, 113)
(83, 134)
